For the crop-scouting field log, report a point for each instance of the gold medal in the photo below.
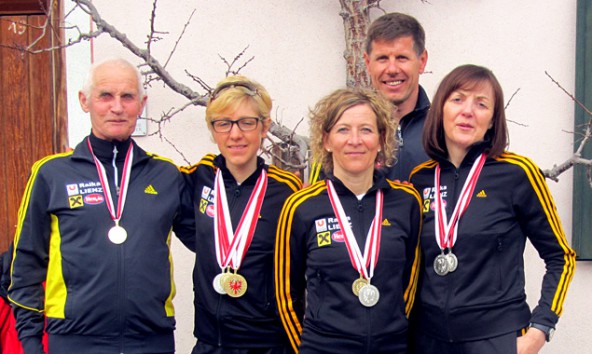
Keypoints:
(235, 285)
(358, 284)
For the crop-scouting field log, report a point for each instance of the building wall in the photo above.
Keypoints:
(297, 51)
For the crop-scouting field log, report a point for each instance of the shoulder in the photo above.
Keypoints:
(307, 194)
(163, 164)
(405, 190)
(206, 162)
(54, 160)
(512, 162)
(423, 168)
(284, 177)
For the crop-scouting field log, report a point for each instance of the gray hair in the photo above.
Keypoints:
(90, 78)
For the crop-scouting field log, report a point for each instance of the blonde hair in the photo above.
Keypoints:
(232, 92)
(328, 111)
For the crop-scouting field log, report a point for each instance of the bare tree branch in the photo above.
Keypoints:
(179, 39)
(576, 158)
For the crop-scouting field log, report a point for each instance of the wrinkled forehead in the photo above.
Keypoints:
(110, 76)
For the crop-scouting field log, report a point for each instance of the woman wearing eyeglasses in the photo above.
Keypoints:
(237, 199)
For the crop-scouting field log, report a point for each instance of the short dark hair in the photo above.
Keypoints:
(465, 77)
(394, 25)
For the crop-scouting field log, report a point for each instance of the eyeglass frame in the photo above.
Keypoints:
(237, 122)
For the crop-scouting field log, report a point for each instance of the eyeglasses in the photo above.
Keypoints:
(251, 90)
(245, 124)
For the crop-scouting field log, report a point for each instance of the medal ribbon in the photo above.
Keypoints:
(232, 246)
(366, 263)
(447, 232)
(125, 178)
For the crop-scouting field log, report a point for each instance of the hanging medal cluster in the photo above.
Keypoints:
(231, 246)
(367, 293)
(446, 231)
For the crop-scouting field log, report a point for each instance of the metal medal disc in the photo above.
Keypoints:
(217, 284)
(117, 235)
(369, 295)
(358, 284)
(441, 265)
(235, 285)
(452, 262)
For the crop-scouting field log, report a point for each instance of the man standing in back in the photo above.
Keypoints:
(395, 56)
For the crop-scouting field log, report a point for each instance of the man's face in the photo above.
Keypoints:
(114, 102)
(394, 69)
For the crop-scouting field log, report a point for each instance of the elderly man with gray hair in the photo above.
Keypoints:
(92, 245)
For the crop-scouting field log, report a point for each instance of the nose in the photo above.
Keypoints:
(392, 68)
(235, 131)
(467, 108)
(354, 138)
(117, 107)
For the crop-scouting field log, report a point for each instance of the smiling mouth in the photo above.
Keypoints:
(393, 83)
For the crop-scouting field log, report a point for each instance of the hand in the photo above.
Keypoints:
(403, 182)
(531, 342)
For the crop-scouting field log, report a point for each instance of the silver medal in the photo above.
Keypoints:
(441, 265)
(117, 235)
(369, 295)
(217, 284)
(452, 262)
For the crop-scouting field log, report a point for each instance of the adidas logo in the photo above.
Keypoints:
(150, 190)
(385, 222)
(482, 194)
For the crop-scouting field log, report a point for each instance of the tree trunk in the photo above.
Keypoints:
(356, 19)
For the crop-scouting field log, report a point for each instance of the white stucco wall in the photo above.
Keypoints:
(298, 48)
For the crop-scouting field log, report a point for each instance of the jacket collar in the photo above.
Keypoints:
(379, 182)
(220, 162)
(474, 152)
(82, 152)
(422, 105)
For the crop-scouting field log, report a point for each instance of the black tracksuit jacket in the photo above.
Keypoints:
(485, 296)
(313, 267)
(250, 321)
(99, 297)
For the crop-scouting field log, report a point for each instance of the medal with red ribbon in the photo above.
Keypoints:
(367, 293)
(117, 233)
(447, 231)
(231, 246)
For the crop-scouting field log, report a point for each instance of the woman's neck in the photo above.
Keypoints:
(456, 155)
(357, 184)
(241, 173)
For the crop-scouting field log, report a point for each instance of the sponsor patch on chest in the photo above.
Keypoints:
(84, 193)
(328, 230)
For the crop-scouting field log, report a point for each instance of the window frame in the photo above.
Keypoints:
(582, 190)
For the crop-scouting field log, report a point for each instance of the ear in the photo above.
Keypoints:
(266, 123)
(326, 144)
(366, 59)
(84, 104)
(143, 103)
(423, 60)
